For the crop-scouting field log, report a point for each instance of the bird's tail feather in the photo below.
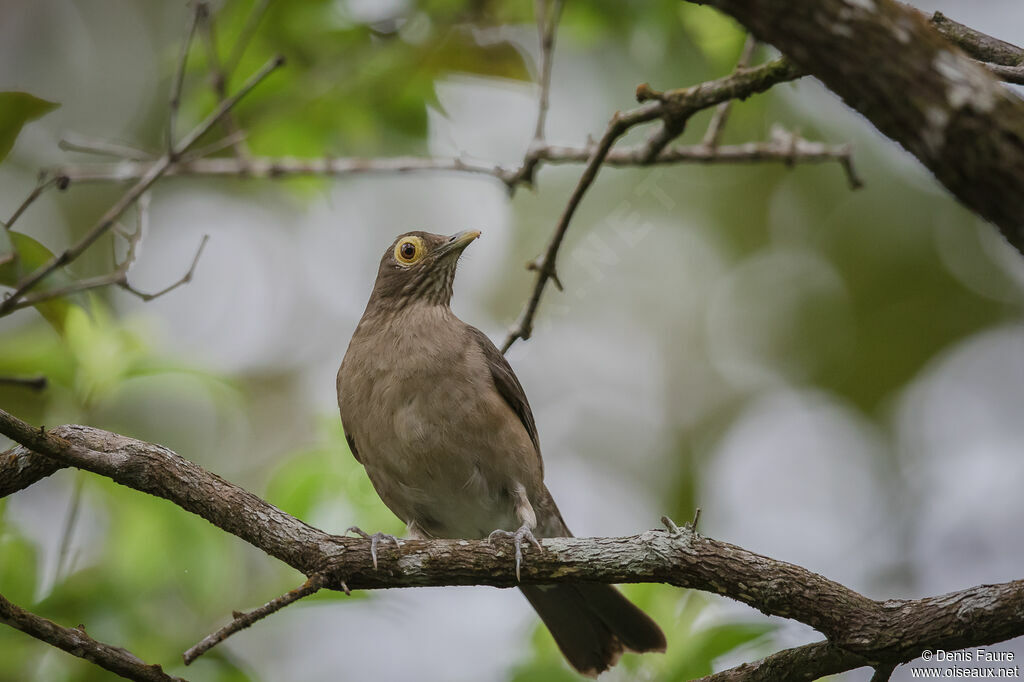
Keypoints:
(593, 624)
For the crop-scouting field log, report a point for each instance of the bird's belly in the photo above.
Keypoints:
(443, 471)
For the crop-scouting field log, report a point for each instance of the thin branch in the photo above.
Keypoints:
(185, 279)
(46, 180)
(878, 632)
(118, 277)
(38, 383)
(243, 620)
(219, 78)
(721, 114)
(77, 143)
(153, 173)
(77, 643)
(198, 11)
(244, 38)
(548, 13)
(545, 264)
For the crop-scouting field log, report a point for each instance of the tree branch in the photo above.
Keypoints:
(241, 621)
(887, 61)
(74, 641)
(153, 173)
(893, 631)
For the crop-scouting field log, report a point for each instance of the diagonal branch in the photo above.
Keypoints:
(674, 107)
(76, 642)
(241, 621)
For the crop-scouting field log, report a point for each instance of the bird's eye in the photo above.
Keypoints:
(409, 250)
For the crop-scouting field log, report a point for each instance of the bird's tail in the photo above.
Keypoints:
(593, 624)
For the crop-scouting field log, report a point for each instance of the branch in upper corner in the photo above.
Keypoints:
(77, 643)
(244, 620)
(982, 47)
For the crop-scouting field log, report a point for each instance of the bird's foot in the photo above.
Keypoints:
(517, 537)
(374, 541)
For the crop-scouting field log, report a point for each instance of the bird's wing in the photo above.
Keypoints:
(507, 384)
(352, 445)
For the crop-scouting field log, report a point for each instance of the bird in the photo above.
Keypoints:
(441, 424)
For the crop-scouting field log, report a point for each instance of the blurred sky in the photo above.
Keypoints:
(767, 338)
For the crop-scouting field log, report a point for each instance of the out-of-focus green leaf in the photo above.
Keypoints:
(17, 109)
(18, 566)
(719, 37)
(29, 255)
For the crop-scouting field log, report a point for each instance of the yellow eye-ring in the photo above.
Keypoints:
(409, 250)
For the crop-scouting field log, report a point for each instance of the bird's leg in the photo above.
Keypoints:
(374, 541)
(528, 518)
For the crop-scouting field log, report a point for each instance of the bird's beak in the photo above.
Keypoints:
(457, 242)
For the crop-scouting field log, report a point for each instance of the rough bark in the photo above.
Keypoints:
(873, 631)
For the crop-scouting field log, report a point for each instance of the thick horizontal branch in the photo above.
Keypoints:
(890, 631)
(77, 643)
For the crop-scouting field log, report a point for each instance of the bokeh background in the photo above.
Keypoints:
(835, 377)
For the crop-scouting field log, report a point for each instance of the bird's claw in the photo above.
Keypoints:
(517, 537)
(374, 541)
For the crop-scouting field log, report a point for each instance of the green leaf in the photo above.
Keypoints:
(28, 255)
(17, 109)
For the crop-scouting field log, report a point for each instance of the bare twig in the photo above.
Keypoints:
(545, 264)
(46, 180)
(77, 643)
(243, 620)
(185, 279)
(721, 114)
(35, 383)
(244, 38)
(153, 173)
(548, 13)
(198, 11)
(674, 107)
(77, 143)
(219, 77)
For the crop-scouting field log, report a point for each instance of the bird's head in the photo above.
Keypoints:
(420, 267)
